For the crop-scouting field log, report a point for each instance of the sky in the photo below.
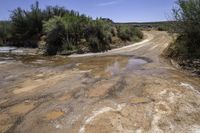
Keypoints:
(117, 10)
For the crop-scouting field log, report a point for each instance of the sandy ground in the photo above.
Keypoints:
(126, 90)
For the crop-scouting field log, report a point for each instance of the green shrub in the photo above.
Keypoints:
(5, 32)
(55, 30)
(65, 30)
(129, 33)
(187, 15)
(98, 35)
(70, 31)
(28, 25)
(94, 44)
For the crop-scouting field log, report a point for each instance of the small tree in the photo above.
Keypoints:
(27, 25)
(129, 33)
(187, 14)
(5, 31)
(55, 30)
(98, 35)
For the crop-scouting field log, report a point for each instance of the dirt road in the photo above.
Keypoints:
(126, 90)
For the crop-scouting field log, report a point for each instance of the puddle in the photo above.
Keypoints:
(54, 115)
(101, 66)
(6, 62)
(39, 61)
(10, 50)
(7, 49)
(133, 64)
(114, 69)
(3, 62)
(111, 65)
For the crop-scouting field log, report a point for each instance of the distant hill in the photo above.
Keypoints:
(146, 23)
(162, 25)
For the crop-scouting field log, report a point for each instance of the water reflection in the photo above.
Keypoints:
(114, 69)
(7, 49)
(10, 50)
(133, 64)
(102, 66)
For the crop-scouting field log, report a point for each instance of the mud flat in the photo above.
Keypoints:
(131, 89)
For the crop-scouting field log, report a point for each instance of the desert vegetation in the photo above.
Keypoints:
(58, 30)
(160, 26)
(187, 16)
(5, 31)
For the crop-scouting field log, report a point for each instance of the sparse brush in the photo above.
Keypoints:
(65, 30)
(187, 15)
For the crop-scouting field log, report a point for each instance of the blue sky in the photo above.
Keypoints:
(117, 10)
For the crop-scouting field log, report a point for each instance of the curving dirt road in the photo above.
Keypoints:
(126, 90)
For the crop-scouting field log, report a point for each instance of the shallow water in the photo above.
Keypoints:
(3, 62)
(133, 64)
(111, 65)
(6, 49)
(102, 66)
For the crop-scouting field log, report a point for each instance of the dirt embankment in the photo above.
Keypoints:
(189, 64)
